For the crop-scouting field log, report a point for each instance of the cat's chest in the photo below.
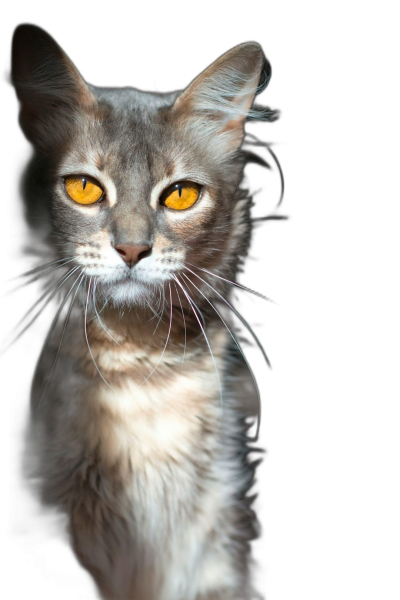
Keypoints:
(159, 442)
(151, 435)
(166, 428)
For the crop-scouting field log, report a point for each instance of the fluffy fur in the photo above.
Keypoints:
(141, 393)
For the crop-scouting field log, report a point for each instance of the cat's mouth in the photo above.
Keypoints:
(134, 286)
(147, 275)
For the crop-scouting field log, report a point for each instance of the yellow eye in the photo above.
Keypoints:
(83, 190)
(180, 195)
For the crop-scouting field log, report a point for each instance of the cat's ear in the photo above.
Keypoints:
(220, 99)
(48, 85)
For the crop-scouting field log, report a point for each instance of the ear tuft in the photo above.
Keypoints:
(221, 97)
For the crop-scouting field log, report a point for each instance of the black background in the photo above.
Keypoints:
(160, 50)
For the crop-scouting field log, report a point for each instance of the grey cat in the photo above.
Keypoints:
(140, 398)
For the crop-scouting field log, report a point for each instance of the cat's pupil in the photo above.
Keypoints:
(180, 190)
(84, 182)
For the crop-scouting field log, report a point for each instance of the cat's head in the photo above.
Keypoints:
(131, 186)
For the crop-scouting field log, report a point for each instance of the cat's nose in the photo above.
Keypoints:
(132, 253)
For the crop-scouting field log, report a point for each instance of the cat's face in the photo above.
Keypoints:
(138, 185)
(141, 162)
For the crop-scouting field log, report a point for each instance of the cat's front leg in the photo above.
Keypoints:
(221, 579)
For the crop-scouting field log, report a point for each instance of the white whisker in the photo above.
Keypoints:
(64, 260)
(169, 333)
(81, 276)
(255, 439)
(104, 305)
(161, 310)
(184, 324)
(199, 312)
(155, 314)
(205, 337)
(103, 325)
(239, 316)
(238, 285)
(59, 284)
(159, 299)
(40, 275)
(87, 339)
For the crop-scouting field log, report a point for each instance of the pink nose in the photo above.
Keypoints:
(132, 253)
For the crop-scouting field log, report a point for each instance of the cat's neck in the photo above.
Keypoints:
(151, 327)
(175, 317)
(118, 346)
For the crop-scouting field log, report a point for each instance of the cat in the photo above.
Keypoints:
(139, 428)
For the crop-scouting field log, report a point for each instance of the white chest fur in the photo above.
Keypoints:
(158, 454)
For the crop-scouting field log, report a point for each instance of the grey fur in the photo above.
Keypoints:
(152, 471)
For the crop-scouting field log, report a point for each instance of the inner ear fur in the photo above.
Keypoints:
(48, 85)
(222, 95)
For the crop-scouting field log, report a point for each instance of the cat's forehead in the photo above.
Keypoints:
(129, 98)
(133, 138)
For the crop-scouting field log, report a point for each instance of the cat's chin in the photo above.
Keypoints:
(131, 293)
